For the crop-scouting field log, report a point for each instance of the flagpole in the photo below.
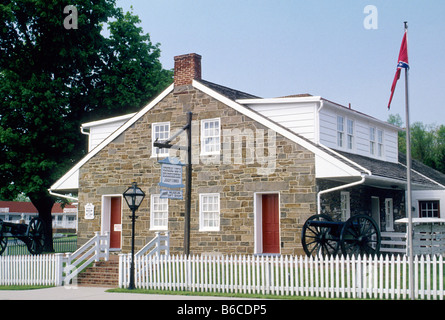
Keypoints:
(408, 183)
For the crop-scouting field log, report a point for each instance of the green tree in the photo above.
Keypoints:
(427, 142)
(52, 79)
(423, 144)
(439, 158)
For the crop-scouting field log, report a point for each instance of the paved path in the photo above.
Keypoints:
(90, 293)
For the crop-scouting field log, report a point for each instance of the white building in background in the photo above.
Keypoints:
(17, 212)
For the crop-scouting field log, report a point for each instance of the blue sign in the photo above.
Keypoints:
(171, 173)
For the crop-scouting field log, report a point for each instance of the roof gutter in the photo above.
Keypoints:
(62, 195)
(349, 185)
(82, 130)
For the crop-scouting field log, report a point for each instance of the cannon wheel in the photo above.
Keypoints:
(360, 235)
(318, 240)
(36, 236)
(3, 239)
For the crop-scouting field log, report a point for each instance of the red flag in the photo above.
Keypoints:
(402, 63)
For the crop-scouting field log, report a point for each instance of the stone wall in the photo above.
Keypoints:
(129, 158)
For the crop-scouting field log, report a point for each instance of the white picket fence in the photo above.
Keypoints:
(22, 270)
(53, 269)
(331, 277)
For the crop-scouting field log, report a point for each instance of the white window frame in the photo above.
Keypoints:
(372, 131)
(156, 212)
(345, 203)
(350, 134)
(340, 131)
(154, 135)
(389, 214)
(380, 139)
(205, 211)
(206, 133)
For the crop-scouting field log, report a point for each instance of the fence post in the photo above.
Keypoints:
(158, 243)
(59, 269)
(167, 243)
(107, 245)
(122, 268)
(97, 246)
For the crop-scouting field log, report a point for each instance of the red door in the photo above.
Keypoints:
(271, 223)
(115, 222)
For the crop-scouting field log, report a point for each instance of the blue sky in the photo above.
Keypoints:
(273, 48)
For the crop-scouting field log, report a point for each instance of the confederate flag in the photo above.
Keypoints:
(402, 63)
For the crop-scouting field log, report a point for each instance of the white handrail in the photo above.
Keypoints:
(156, 244)
(93, 250)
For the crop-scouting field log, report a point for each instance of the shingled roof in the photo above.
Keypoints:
(232, 94)
(421, 174)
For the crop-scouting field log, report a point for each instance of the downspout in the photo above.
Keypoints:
(352, 184)
(87, 133)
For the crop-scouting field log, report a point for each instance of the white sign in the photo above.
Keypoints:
(171, 176)
(89, 211)
(171, 194)
(118, 227)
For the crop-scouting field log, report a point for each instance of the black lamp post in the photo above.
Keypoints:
(133, 196)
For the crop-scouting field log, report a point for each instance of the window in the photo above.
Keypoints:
(380, 143)
(429, 209)
(209, 212)
(389, 214)
(160, 131)
(345, 205)
(340, 131)
(350, 136)
(210, 136)
(372, 141)
(158, 213)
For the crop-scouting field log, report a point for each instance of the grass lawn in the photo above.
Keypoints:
(220, 294)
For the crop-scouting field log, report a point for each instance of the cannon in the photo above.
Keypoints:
(357, 236)
(32, 234)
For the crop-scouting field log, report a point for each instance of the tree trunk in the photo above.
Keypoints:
(44, 205)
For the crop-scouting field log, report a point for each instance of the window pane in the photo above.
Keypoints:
(209, 211)
(340, 123)
(161, 131)
(210, 138)
(159, 212)
(429, 209)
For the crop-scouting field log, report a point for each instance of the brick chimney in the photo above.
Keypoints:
(187, 68)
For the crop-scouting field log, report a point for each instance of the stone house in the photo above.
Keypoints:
(261, 167)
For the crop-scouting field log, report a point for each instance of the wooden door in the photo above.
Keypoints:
(115, 222)
(271, 223)
(375, 210)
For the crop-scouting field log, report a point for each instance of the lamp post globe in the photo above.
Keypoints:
(134, 196)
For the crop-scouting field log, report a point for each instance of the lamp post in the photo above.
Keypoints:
(133, 196)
